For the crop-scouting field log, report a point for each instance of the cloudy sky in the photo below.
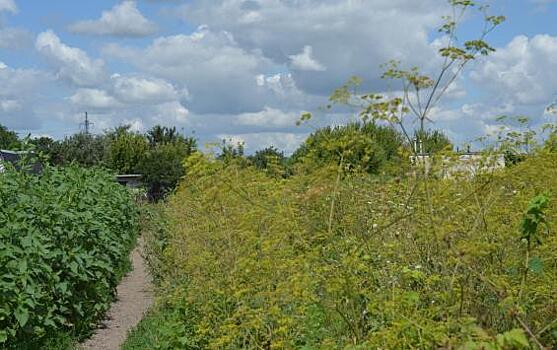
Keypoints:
(246, 69)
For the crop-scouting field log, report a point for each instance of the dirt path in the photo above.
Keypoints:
(134, 298)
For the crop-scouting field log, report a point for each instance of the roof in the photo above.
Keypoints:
(14, 157)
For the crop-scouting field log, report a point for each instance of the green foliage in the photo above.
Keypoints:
(159, 135)
(534, 216)
(271, 161)
(64, 244)
(44, 145)
(84, 149)
(230, 151)
(432, 141)
(363, 147)
(126, 150)
(163, 166)
(319, 261)
(8, 139)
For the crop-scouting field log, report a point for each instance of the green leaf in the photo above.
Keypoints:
(3, 336)
(22, 316)
(535, 264)
(513, 339)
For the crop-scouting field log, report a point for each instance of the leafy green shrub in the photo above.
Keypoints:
(321, 261)
(363, 147)
(65, 237)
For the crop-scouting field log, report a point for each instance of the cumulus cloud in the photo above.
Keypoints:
(523, 72)
(349, 36)
(122, 20)
(138, 89)
(94, 98)
(305, 61)
(219, 75)
(268, 118)
(20, 91)
(72, 64)
(8, 6)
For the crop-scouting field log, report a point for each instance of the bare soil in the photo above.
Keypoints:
(135, 296)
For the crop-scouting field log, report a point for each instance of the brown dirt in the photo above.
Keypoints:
(133, 300)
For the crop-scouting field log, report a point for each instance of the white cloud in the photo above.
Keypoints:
(8, 6)
(305, 61)
(171, 113)
(268, 117)
(20, 92)
(349, 36)
(137, 89)
(122, 20)
(523, 72)
(72, 64)
(9, 106)
(94, 98)
(218, 74)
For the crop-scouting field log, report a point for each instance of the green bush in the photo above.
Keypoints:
(65, 237)
(319, 261)
(365, 147)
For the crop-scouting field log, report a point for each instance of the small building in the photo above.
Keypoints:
(468, 163)
(15, 158)
(130, 180)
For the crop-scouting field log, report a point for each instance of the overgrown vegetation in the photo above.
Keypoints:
(321, 261)
(65, 237)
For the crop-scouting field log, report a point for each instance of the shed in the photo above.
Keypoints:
(14, 157)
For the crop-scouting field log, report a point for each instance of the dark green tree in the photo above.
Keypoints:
(8, 139)
(263, 158)
(159, 134)
(162, 167)
(84, 149)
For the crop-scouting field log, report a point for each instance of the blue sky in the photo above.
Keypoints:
(246, 69)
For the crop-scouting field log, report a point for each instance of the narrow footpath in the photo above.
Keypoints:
(135, 296)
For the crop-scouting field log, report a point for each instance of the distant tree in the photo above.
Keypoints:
(44, 145)
(162, 167)
(8, 139)
(262, 159)
(432, 141)
(84, 149)
(230, 151)
(158, 135)
(361, 146)
(125, 150)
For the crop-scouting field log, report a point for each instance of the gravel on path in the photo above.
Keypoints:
(135, 296)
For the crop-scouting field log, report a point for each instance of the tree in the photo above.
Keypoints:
(230, 151)
(125, 150)
(361, 147)
(432, 141)
(84, 149)
(8, 139)
(266, 157)
(158, 135)
(162, 167)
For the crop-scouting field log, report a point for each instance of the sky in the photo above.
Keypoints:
(245, 70)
